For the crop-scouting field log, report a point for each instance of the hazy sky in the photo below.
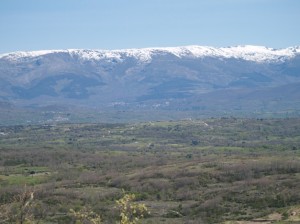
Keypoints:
(115, 24)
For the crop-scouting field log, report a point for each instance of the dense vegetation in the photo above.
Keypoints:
(192, 171)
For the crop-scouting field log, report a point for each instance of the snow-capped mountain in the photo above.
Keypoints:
(247, 52)
(190, 77)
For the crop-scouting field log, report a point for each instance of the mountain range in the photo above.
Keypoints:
(201, 79)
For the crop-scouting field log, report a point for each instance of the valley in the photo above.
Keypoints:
(216, 170)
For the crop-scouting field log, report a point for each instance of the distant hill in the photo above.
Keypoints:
(192, 78)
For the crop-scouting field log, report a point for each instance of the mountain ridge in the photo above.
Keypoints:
(246, 78)
(247, 52)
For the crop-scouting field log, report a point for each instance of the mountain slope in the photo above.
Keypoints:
(178, 78)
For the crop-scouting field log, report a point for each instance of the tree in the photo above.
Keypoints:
(131, 212)
(19, 210)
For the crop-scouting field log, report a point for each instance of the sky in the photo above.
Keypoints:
(27, 25)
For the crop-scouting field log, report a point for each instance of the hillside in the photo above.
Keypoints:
(194, 171)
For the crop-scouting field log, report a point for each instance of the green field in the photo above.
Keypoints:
(225, 170)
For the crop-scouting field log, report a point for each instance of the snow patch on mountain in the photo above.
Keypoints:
(19, 55)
